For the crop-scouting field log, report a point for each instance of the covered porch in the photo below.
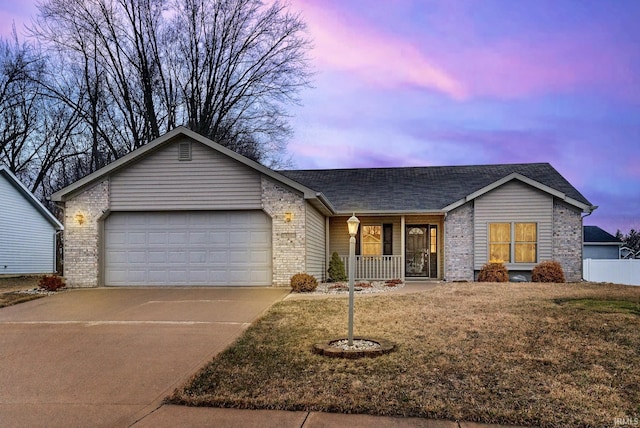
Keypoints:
(391, 246)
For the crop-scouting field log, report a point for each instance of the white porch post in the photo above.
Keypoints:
(327, 247)
(402, 248)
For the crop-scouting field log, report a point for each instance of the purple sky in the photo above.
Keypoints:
(419, 83)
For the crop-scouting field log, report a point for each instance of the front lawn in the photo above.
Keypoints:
(528, 354)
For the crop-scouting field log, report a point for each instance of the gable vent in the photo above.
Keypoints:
(184, 151)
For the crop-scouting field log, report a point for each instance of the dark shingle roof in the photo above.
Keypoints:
(595, 234)
(418, 189)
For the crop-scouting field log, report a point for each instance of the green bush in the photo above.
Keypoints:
(303, 282)
(493, 272)
(548, 271)
(51, 282)
(336, 269)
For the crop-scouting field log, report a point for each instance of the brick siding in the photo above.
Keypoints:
(458, 245)
(567, 240)
(81, 241)
(288, 238)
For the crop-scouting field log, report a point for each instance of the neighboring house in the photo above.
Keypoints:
(183, 210)
(600, 244)
(628, 253)
(27, 230)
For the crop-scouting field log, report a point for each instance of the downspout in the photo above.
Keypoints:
(56, 236)
(444, 246)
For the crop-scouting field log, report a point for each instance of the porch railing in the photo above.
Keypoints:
(375, 267)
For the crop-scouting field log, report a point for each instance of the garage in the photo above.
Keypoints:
(199, 248)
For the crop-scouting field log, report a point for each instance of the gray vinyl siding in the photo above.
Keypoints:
(595, 251)
(315, 236)
(514, 202)
(210, 181)
(27, 239)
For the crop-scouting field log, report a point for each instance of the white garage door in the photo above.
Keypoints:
(188, 248)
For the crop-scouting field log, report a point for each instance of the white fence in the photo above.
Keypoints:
(616, 271)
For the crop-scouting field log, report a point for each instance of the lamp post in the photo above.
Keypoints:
(353, 224)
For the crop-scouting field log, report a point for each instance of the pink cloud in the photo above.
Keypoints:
(561, 63)
(343, 42)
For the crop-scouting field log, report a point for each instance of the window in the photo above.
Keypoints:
(372, 240)
(500, 242)
(526, 242)
(513, 242)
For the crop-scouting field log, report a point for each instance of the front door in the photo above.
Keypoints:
(421, 251)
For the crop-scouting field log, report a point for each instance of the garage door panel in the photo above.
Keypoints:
(239, 238)
(198, 257)
(158, 237)
(177, 257)
(219, 257)
(188, 248)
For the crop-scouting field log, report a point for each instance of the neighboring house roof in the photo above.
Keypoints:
(596, 235)
(21, 188)
(429, 189)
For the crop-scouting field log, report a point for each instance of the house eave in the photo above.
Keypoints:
(617, 244)
(585, 208)
(69, 191)
(388, 212)
(22, 189)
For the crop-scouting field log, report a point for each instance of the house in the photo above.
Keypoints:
(183, 210)
(600, 244)
(27, 230)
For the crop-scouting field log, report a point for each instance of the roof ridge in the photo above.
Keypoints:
(417, 167)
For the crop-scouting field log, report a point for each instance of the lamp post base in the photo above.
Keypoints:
(362, 347)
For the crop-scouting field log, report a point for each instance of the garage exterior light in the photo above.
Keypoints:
(80, 218)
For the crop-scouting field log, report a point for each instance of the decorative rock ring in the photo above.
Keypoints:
(362, 347)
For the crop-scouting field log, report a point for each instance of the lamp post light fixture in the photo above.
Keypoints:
(353, 224)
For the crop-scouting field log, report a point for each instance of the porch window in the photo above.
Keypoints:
(522, 238)
(371, 240)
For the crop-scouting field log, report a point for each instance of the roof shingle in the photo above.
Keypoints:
(418, 189)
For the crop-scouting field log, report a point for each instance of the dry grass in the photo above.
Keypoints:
(524, 354)
(10, 285)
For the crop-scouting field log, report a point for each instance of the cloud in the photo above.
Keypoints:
(558, 64)
(343, 42)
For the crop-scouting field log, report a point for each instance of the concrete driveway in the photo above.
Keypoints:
(108, 356)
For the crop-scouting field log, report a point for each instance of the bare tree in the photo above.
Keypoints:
(225, 68)
(238, 64)
(19, 72)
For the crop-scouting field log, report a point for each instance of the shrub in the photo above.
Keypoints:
(548, 271)
(336, 269)
(392, 282)
(51, 282)
(493, 272)
(303, 282)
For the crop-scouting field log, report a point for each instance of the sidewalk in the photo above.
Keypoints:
(169, 416)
